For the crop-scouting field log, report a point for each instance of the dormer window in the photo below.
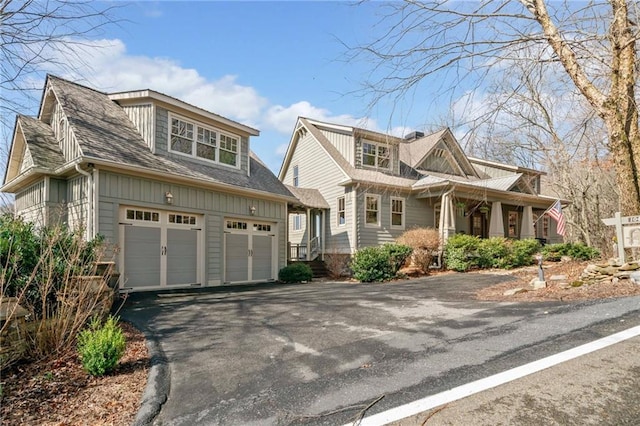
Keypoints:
(199, 141)
(376, 155)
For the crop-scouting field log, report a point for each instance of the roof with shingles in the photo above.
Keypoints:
(309, 197)
(104, 132)
(413, 152)
(41, 143)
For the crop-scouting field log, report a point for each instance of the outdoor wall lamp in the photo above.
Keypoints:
(252, 210)
(168, 197)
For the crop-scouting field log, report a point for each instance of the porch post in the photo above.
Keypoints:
(496, 224)
(527, 230)
(323, 231)
(447, 217)
(308, 233)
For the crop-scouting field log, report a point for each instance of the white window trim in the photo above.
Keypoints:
(404, 209)
(297, 222)
(194, 141)
(296, 176)
(376, 144)
(437, 211)
(379, 204)
(344, 211)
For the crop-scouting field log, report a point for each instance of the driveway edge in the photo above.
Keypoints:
(158, 382)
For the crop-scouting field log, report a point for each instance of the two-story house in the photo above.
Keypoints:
(362, 188)
(174, 187)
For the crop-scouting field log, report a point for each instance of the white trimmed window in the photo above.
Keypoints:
(376, 155)
(372, 210)
(295, 176)
(397, 212)
(342, 217)
(195, 140)
(297, 222)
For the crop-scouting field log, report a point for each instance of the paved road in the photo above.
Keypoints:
(600, 388)
(322, 352)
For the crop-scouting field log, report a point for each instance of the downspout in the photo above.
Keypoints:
(89, 200)
(354, 213)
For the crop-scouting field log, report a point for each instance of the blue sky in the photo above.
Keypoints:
(260, 63)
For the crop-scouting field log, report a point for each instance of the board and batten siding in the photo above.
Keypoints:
(77, 202)
(30, 202)
(317, 170)
(64, 135)
(343, 143)
(142, 117)
(119, 189)
(162, 139)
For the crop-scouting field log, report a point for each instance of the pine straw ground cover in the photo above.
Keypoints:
(60, 392)
(555, 290)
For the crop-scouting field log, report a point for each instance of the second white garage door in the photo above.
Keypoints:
(250, 251)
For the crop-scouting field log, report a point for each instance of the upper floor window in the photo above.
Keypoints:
(397, 212)
(372, 210)
(295, 176)
(192, 139)
(342, 218)
(376, 155)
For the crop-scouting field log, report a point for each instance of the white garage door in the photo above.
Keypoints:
(250, 251)
(160, 249)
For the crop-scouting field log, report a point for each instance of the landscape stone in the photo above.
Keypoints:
(629, 267)
(558, 278)
(537, 284)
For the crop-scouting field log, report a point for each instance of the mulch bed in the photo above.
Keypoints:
(59, 392)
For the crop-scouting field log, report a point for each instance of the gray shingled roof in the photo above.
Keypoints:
(309, 197)
(413, 152)
(104, 132)
(41, 142)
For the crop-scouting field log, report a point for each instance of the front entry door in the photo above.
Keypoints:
(478, 225)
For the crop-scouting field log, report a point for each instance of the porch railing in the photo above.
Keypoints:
(299, 251)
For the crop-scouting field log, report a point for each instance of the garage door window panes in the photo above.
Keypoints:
(236, 225)
(262, 227)
(143, 215)
(182, 219)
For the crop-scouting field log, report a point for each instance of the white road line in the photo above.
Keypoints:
(463, 391)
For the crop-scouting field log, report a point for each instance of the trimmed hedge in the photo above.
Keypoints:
(463, 252)
(295, 273)
(381, 263)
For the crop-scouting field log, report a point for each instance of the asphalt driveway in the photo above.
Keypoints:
(320, 353)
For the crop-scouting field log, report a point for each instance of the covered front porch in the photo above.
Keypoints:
(307, 219)
(491, 213)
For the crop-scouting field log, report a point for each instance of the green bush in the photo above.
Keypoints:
(101, 346)
(295, 273)
(460, 252)
(32, 256)
(523, 252)
(576, 251)
(397, 255)
(382, 263)
(463, 252)
(492, 253)
(456, 259)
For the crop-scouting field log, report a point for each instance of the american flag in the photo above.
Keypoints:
(556, 213)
